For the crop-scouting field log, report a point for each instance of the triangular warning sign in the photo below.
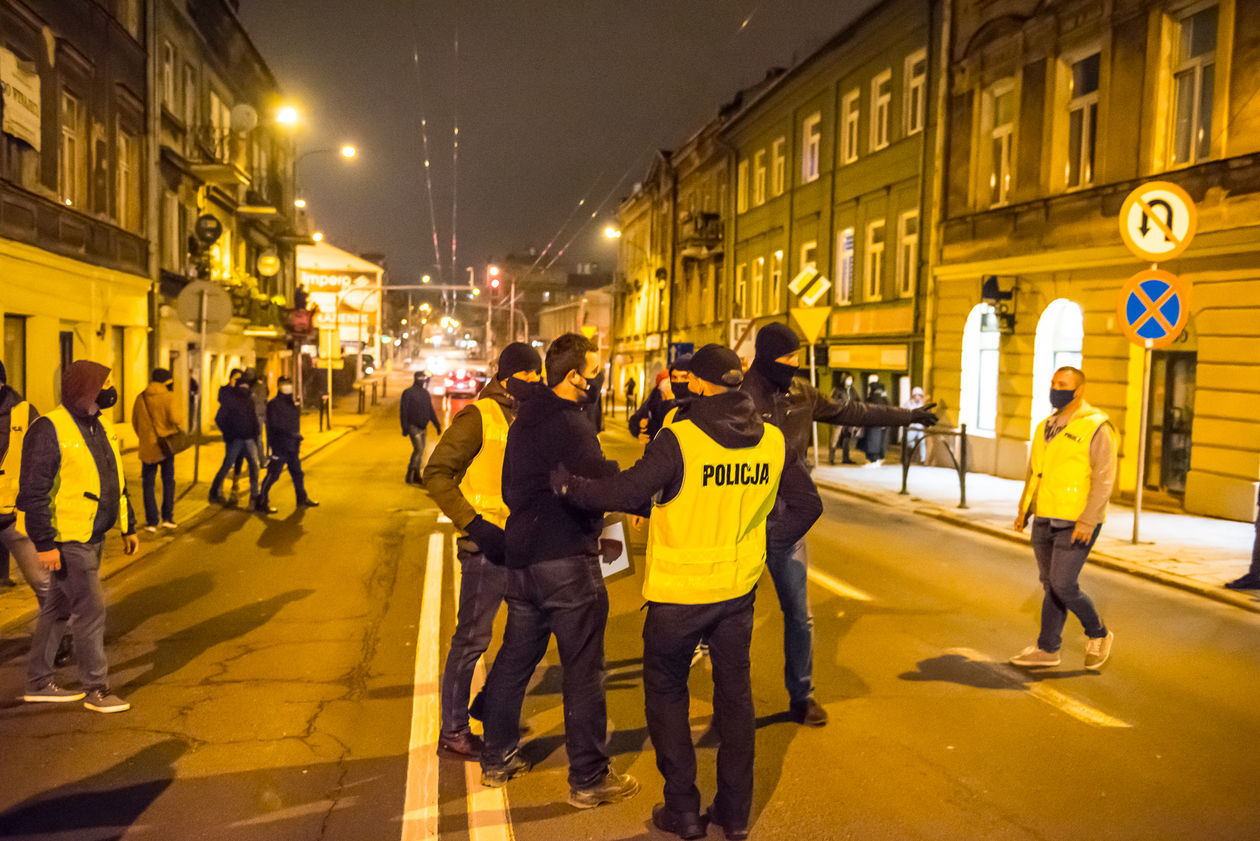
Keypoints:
(589, 330)
(811, 321)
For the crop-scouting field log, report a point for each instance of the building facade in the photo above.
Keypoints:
(1056, 112)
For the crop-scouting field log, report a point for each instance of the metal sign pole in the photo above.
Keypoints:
(201, 328)
(1144, 419)
(329, 395)
(813, 380)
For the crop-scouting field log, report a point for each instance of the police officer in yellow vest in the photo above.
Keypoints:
(1071, 471)
(72, 493)
(712, 477)
(465, 478)
(16, 417)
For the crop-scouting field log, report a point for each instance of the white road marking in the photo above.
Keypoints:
(837, 586)
(420, 810)
(1018, 679)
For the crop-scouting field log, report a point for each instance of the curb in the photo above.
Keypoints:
(1102, 559)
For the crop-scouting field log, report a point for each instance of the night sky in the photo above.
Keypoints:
(555, 99)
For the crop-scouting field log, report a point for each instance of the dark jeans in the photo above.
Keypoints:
(564, 597)
(1059, 561)
(670, 635)
(234, 449)
(789, 571)
(417, 436)
(75, 592)
(148, 481)
(482, 587)
(276, 465)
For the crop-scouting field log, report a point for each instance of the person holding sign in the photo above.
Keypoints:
(1071, 470)
(711, 477)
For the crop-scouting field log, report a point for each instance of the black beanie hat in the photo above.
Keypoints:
(681, 363)
(718, 365)
(162, 375)
(515, 358)
(775, 340)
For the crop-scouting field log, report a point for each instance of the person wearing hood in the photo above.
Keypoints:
(711, 478)
(16, 417)
(842, 436)
(554, 583)
(73, 492)
(153, 418)
(416, 412)
(465, 478)
(661, 393)
(792, 404)
(659, 412)
(284, 434)
(238, 422)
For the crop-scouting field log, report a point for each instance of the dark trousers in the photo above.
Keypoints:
(148, 481)
(482, 587)
(1059, 562)
(670, 635)
(564, 597)
(76, 593)
(275, 466)
(416, 465)
(234, 449)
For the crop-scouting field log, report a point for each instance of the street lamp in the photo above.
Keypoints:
(318, 236)
(349, 151)
(287, 115)
(612, 232)
(299, 203)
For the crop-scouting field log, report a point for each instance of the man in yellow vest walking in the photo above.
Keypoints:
(712, 477)
(72, 493)
(16, 417)
(465, 478)
(1071, 470)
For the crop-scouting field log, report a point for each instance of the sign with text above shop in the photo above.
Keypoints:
(19, 84)
(1153, 308)
(1157, 221)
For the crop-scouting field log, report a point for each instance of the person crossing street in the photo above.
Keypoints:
(284, 437)
(416, 412)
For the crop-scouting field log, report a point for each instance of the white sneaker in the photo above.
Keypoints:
(168, 524)
(1098, 650)
(1034, 657)
(151, 529)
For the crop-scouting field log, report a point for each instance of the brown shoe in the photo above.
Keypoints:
(466, 746)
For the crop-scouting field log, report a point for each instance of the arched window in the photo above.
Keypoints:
(978, 401)
(1060, 334)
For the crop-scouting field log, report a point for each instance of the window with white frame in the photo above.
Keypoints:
(776, 281)
(778, 167)
(873, 262)
(189, 110)
(916, 92)
(844, 266)
(72, 154)
(127, 188)
(977, 406)
(1082, 121)
(907, 253)
(741, 187)
(809, 255)
(168, 76)
(811, 144)
(1000, 118)
(881, 108)
(741, 290)
(851, 115)
(757, 299)
(759, 178)
(220, 126)
(1194, 83)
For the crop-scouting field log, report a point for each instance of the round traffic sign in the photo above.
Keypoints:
(207, 229)
(1154, 306)
(203, 298)
(1157, 221)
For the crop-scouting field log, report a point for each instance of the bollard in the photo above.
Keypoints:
(905, 462)
(374, 386)
(323, 412)
(962, 466)
(362, 398)
(385, 386)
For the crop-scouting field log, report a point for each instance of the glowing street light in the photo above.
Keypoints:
(318, 236)
(348, 151)
(612, 233)
(287, 116)
(299, 203)
(425, 279)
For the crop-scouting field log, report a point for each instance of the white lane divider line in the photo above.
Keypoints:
(1018, 679)
(487, 807)
(420, 806)
(838, 587)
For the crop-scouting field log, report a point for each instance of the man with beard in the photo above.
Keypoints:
(73, 492)
(789, 402)
(465, 478)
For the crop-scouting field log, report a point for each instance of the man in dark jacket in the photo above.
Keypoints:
(706, 549)
(238, 422)
(416, 412)
(554, 582)
(284, 434)
(72, 493)
(651, 416)
(465, 478)
(792, 404)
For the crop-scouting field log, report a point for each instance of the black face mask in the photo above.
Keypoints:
(107, 398)
(777, 373)
(681, 390)
(594, 386)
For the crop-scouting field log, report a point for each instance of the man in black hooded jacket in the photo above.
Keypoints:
(789, 402)
(284, 434)
(415, 413)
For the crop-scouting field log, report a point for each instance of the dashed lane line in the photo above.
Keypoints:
(420, 809)
(837, 586)
(1064, 703)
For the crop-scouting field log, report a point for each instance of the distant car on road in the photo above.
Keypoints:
(462, 382)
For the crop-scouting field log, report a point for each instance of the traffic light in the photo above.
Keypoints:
(493, 271)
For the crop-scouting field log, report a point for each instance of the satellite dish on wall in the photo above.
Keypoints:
(244, 118)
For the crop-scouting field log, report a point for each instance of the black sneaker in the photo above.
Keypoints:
(262, 506)
(809, 713)
(613, 788)
(1247, 582)
(104, 701)
(688, 826)
(307, 503)
(51, 693)
(466, 746)
(496, 776)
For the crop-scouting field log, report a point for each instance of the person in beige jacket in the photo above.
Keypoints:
(153, 418)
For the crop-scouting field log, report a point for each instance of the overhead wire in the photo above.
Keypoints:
(594, 213)
(567, 220)
(424, 138)
(455, 163)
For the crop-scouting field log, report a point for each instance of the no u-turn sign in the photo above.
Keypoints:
(1157, 221)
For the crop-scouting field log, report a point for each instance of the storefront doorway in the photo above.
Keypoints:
(1172, 415)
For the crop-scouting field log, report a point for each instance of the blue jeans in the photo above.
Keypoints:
(76, 593)
(275, 466)
(789, 571)
(481, 590)
(233, 449)
(148, 481)
(1059, 561)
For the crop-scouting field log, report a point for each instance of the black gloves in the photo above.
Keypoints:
(924, 415)
(560, 479)
(489, 538)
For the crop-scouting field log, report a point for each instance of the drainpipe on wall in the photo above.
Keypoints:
(937, 207)
(152, 184)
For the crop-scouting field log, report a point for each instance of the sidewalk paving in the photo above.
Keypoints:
(192, 504)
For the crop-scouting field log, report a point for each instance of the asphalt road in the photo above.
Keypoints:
(283, 674)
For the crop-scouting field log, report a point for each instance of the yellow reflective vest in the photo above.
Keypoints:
(76, 491)
(482, 484)
(708, 543)
(1059, 470)
(11, 465)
